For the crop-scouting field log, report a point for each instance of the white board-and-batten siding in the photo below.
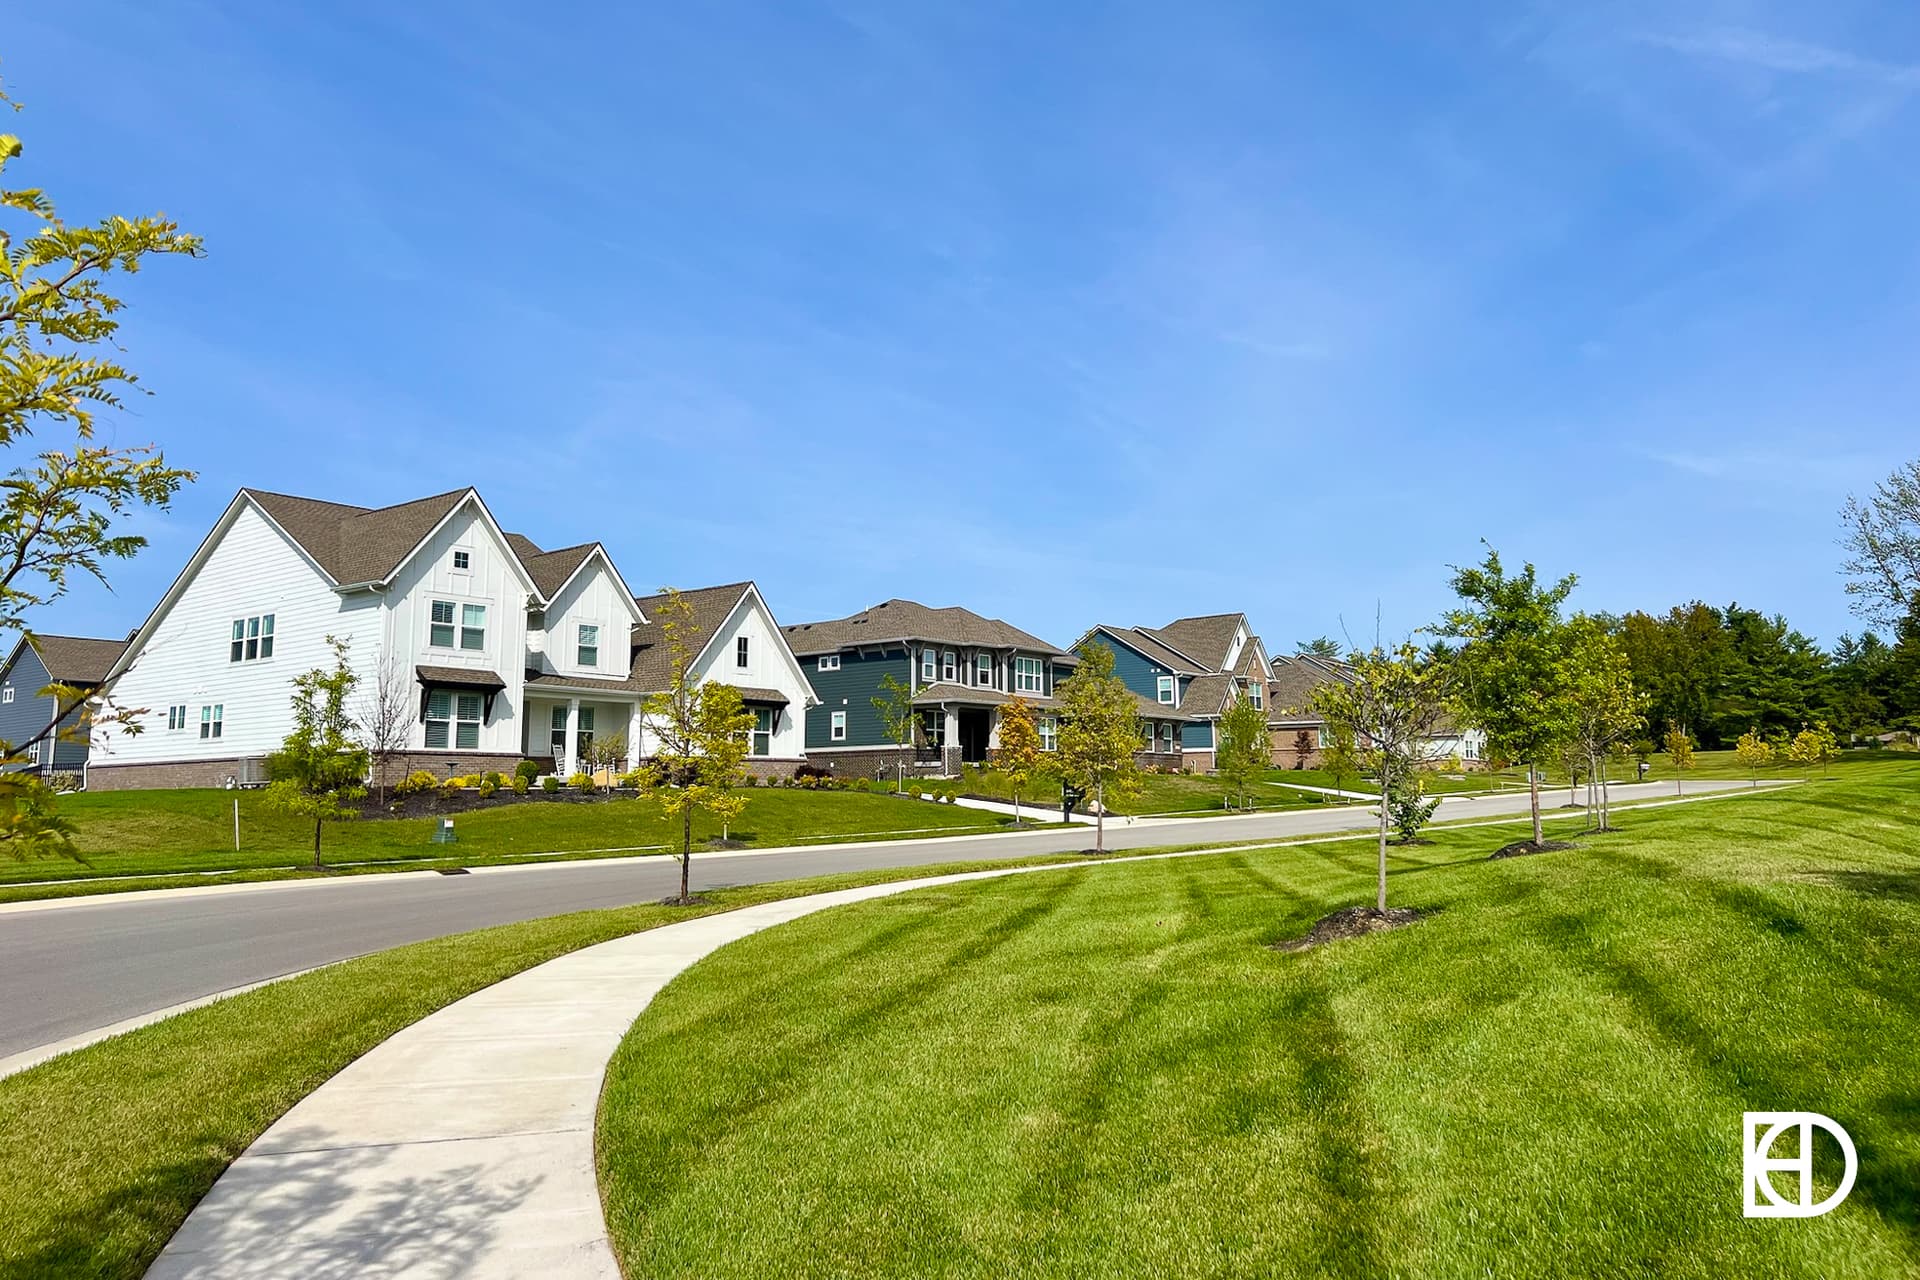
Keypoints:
(252, 569)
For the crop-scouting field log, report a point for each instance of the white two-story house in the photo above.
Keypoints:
(506, 651)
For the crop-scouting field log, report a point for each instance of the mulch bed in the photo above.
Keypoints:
(696, 900)
(1521, 848)
(1352, 922)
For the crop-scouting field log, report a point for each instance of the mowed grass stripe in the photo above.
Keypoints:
(1545, 1077)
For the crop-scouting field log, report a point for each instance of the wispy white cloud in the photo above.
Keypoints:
(1777, 53)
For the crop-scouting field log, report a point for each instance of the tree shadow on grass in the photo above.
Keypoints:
(1901, 885)
(324, 1214)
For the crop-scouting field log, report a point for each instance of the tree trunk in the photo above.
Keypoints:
(1533, 801)
(1016, 808)
(1100, 817)
(1380, 900)
(686, 852)
(316, 846)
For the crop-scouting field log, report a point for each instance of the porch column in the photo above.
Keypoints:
(633, 737)
(572, 763)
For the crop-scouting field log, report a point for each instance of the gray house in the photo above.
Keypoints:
(40, 661)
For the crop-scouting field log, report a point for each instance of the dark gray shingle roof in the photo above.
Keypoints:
(893, 621)
(356, 544)
(76, 660)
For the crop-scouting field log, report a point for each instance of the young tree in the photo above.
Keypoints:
(1813, 745)
(1883, 542)
(1302, 747)
(385, 721)
(1679, 748)
(605, 755)
(1244, 750)
(1606, 707)
(1514, 664)
(1754, 752)
(321, 767)
(1020, 756)
(1410, 807)
(1339, 753)
(60, 509)
(1099, 734)
(702, 729)
(899, 720)
(1392, 704)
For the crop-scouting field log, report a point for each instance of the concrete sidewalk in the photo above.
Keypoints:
(463, 1145)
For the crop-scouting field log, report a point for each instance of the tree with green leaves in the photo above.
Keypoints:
(701, 730)
(1754, 753)
(1019, 756)
(1244, 749)
(1099, 734)
(61, 509)
(1607, 708)
(320, 771)
(1319, 647)
(1393, 703)
(1514, 664)
(1813, 745)
(1339, 753)
(1679, 748)
(899, 720)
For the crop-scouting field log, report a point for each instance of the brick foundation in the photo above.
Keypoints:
(456, 764)
(165, 774)
(880, 762)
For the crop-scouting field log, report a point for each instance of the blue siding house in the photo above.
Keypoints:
(26, 709)
(1192, 668)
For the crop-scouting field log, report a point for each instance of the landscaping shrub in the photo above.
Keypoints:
(452, 788)
(1410, 808)
(494, 776)
(64, 781)
(581, 782)
(811, 771)
(487, 785)
(549, 784)
(520, 783)
(528, 769)
(416, 783)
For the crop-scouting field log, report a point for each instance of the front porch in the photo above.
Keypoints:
(563, 729)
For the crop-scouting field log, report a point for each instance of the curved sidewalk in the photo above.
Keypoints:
(463, 1145)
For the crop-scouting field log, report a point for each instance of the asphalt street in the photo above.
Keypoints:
(77, 965)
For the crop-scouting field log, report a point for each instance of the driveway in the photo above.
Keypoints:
(77, 965)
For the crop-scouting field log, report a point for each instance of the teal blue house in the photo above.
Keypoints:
(1193, 670)
(27, 711)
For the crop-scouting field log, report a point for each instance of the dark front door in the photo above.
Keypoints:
(974, 728)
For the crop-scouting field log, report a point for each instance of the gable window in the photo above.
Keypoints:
(588, 650)
(440, 631)
(829, 662)
(1255, 692)
(949, 670)
(983, 670)
(462, 560)
(761, 743)
(7, 695)
(740, 652)
(837, 729)
(1029, 675)
(252, 639)
(211, 720)
(177, 717)
(1166, 690)
(1049, 733)
(929, 666)
(473, 626)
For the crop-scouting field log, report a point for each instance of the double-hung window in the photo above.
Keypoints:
(588, 650)
(473, 626)
(176, 717)
(828, 662)
(929, 666)
(983, 670)
(7, 696)
(557, 739)
(211, 720)
(740, 648)
(761, 744)
(1166, 738)
(1029, 675)
(583, 739)
(1255, 692)
(1049, 733)
(949, 669)
(837, 727)
(453, 719)
(1167, 690)
(252, 639)
(33, 753)
(440, 630)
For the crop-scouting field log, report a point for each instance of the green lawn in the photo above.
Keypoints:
(177, 832)
(1108, 1072)
(1159, 792)
(104, 1151)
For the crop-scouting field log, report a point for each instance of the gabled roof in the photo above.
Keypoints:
(899, 621)
(949, 691)
(76, 660)
(652, 660)
(1137, 639)
(551, 569)
(1205, 639)
(357, 544)
(1208, 695)
(1293, 683)
(1250, 667)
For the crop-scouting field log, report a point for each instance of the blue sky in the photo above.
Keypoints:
(1067, 313)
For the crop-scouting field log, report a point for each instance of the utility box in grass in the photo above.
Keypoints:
(443, 834)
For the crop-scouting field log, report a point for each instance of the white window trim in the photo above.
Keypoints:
(458, 553)
(949, 666)
(837, 727)
(1030, 676)
(827, 662)
(742, 652)
(257, 630)
(580, 644)
(983, 671)
(1166, 689)
(929, 665)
